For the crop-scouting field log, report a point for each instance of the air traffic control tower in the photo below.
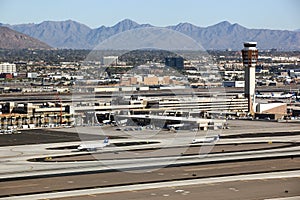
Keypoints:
(250, 55)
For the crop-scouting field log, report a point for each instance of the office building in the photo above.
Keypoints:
(110, 60)
(7, 68)
(175, 62)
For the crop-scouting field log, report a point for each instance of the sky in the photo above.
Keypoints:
(269, 14)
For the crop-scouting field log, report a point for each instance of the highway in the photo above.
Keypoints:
(243, 164)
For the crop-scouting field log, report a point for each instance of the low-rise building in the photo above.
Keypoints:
(151, 80)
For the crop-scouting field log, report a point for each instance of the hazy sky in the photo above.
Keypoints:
(273, 14)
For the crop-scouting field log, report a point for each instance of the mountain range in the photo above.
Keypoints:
(10, 39)
(224, 35)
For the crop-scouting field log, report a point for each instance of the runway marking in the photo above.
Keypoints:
(285, 198)
(92, 195)
(206, 168)
(234, 189)
(210, 184)
(18, 186)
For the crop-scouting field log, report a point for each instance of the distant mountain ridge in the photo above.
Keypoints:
(64, 34)
(224, 35)
(10, 39)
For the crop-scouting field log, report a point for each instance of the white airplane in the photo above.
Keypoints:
(175, 126)
(93, 146)
(282, 96)
(296, 97)
(106, 121)
(272, 95)
(206, 139)
(263, 96)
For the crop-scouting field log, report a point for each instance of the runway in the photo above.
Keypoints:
(242, 165)
(103, 179)
(285, 183)
(233, 190)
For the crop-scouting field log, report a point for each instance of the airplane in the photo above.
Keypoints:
(93, 146)
(272, 95)
(175, 126)
(297, 97)
(106, 121)
(206, 139)
(282, 96)
(263, 96)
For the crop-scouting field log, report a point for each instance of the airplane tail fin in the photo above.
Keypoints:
(106, 140)
(217, 137)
